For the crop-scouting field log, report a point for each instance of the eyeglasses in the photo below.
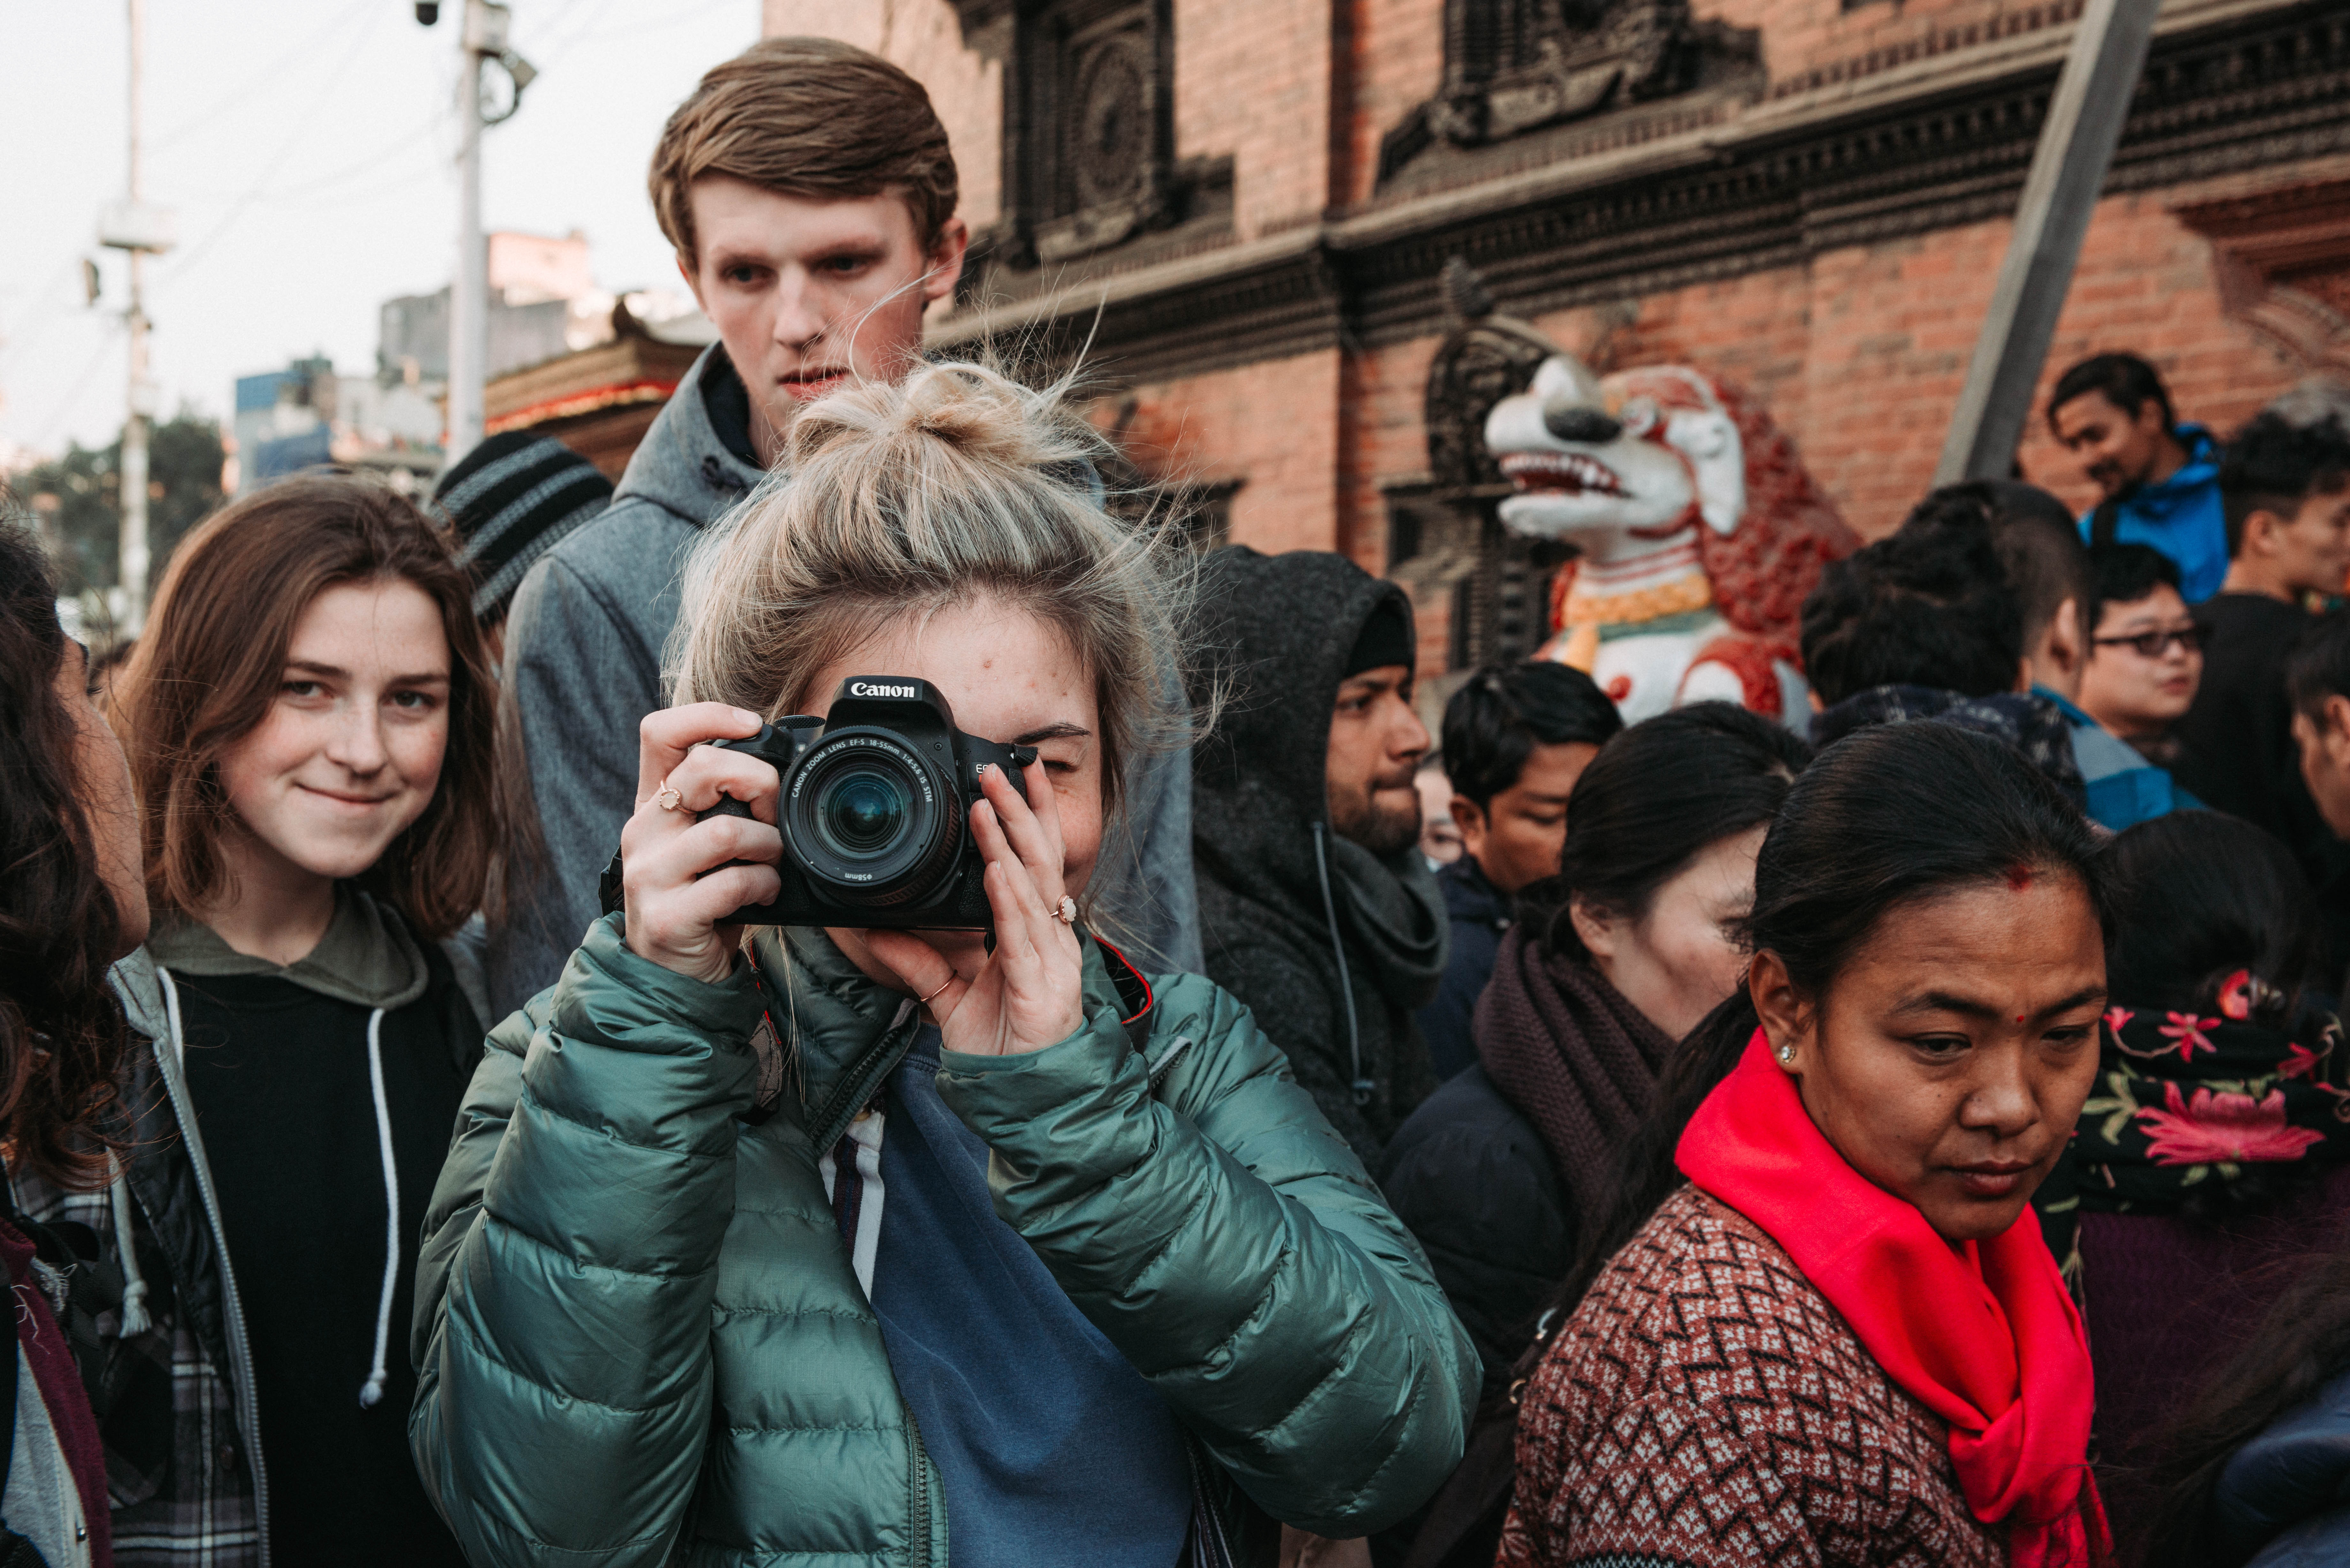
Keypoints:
(2155, 644)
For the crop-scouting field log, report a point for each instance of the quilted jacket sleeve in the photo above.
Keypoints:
(563, 1295)
(1229, 1243)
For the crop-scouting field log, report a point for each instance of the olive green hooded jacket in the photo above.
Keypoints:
(639, 1338)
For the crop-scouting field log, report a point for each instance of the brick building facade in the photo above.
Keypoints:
(1809, 198)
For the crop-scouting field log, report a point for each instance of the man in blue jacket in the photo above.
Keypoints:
(2160, 478)
(810, 192)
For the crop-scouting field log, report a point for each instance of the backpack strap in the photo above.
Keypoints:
(2104, 524)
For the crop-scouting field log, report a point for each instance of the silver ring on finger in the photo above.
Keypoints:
(1067, 911)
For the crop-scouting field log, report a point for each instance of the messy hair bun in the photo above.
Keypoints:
(898, 499)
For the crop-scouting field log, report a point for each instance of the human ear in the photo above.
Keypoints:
(1594, 929)
(2261, 528)
(945, 260)
(1786, 1022)
(1470, 818)
(2336, 735)
(2066, 646)
(686, 270)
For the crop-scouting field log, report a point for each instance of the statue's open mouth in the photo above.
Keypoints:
(1561, 473)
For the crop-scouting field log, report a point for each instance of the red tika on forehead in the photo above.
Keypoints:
(2019, 878)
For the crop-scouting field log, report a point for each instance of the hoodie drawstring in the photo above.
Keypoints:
(136, 1319)
(1361, 1086)
(373, 1389)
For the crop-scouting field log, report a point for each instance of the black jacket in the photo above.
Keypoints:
(1469, 1176)
(1479, 913)
(1277, 630)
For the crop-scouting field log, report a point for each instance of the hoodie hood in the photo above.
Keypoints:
(367, 956)
(684, 465)
(1278, 630)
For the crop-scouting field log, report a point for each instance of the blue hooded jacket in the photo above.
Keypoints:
(2179, 516)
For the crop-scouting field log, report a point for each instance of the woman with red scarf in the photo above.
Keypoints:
(1843, 1341)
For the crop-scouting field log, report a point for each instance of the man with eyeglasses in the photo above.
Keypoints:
(2146, 650)
(2287, 491)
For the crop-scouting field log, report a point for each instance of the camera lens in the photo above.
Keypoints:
(870, 819)
(861, 813)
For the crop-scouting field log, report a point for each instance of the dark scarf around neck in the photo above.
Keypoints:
(1577, 1059)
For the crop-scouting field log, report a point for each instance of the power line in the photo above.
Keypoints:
(267, 74)
(188, 258)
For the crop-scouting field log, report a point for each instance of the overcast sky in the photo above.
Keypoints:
(306, 147)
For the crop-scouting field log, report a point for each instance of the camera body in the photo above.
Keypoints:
(875, 810)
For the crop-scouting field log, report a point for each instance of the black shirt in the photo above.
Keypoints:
(2239, 755)
(280, 1079)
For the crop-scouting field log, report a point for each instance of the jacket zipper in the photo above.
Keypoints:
(918, 1488)
(240, 1352)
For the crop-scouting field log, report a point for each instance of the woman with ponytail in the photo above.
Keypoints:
(1836, 1336)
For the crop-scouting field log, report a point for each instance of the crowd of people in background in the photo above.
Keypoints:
(1917, 1131)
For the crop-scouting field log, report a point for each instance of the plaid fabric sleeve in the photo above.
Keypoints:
(176, 1468)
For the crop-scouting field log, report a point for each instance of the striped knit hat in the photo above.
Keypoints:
(507, 501)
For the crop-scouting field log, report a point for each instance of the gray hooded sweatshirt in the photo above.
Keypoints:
(583, 664)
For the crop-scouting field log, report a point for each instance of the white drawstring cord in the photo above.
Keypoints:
(136, 1319)
(172, 1011)
(373, 1391)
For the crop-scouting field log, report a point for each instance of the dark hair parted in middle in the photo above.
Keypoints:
(1653, 799)
(1504, 712)
(1928, 606)
(1887, 817)
(2273, 465)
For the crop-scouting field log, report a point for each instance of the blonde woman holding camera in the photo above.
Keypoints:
(869, 1245)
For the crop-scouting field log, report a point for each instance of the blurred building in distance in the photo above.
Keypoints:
(1248, 206)
(591, 366)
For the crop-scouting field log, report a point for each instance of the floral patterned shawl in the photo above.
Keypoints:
(2184, 1098)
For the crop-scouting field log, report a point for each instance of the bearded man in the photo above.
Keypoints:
(1315, 906)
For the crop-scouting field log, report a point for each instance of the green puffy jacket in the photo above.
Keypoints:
(639, 1337)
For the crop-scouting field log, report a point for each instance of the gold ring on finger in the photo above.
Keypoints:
(1067, 912)
(667, 798)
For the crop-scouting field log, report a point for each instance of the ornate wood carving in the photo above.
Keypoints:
(1089, 131)
(2284, 267)
(2241, 96)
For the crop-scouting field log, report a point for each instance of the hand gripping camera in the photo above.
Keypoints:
(875, 810)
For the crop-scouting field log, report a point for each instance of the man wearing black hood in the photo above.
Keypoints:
(1316, 907)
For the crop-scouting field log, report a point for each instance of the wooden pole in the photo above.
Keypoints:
(2068, 171)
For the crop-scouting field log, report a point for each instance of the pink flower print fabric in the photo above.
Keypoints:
(2214, 1128)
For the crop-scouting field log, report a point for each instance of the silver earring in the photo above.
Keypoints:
(1787, 1055)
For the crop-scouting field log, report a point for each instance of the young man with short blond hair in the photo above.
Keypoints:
(810, 193)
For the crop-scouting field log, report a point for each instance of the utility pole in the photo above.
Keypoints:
(2068, 169)
(139, 230)
(483, 32)
(481, 39)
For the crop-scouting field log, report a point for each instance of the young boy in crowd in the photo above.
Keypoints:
(2288, 500)
(2160, 478)
(2146, 651)
(2049, 572)
(1516, 739)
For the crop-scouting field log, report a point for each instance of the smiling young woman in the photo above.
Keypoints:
(1844, 1328)
(308, 716)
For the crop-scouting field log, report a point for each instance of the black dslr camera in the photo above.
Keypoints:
(875, 810)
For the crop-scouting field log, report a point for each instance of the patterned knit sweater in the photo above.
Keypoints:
(1706, 1408)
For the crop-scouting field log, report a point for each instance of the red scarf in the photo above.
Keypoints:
(2011, 1379)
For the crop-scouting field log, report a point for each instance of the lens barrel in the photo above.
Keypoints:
(870, 819)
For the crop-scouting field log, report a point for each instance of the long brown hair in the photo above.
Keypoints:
(209, 665)
(61, 1031)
